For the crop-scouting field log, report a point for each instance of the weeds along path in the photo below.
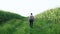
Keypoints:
(10, 26)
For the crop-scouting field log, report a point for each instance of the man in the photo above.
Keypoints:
(31, 20)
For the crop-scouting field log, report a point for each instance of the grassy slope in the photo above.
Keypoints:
(5, 16)
(48, 22)
(45, 23)
(16, 25)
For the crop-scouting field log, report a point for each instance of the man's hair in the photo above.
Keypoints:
(31, 13)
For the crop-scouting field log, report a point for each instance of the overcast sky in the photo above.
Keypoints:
(25, 7)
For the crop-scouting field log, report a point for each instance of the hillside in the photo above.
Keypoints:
(47, 22)
(11, 23)
(5, 16)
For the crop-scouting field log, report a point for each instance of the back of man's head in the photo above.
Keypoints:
(31, 13)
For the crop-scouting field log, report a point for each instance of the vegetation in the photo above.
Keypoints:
(47, 22)
(4, 16)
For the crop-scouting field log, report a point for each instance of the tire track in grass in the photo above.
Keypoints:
(16, 26)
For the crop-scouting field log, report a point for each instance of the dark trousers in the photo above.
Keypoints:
(31, 23)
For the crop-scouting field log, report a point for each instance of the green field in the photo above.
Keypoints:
(47, 22)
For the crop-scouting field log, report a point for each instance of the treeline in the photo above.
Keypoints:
(4, 16)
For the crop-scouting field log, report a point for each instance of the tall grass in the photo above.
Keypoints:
(47, 22)
(4, 16)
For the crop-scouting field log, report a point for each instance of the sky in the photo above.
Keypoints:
(25, 7)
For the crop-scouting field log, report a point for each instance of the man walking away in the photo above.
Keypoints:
(31, 20)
